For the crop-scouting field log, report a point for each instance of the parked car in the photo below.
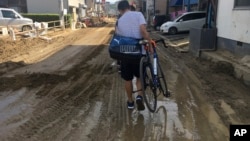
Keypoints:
(158, 20)
(11, 17)
(184, 22)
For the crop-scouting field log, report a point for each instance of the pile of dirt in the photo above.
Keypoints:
(9, 48)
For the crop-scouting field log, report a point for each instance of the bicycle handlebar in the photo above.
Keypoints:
(156, 41)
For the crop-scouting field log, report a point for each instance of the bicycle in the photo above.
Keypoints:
(152, 78)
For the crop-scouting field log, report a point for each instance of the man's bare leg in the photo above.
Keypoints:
(129, 89)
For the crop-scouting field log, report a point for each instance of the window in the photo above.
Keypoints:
(187, 17)
(199, 15)
(8, 14)
(242, 4)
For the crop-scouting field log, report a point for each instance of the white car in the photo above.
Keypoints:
(184, 22)
(9, 17)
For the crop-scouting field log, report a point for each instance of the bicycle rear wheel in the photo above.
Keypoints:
(162, 82)
(148, 88)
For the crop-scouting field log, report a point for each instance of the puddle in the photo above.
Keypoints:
(164, 124)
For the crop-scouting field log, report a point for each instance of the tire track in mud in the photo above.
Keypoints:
(84, 86)
(81, 85)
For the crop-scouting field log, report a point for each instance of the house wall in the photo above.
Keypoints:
(233, 28)
(161, 5)
(50, 6)
(233, 24)
(75, 3)
(38, 6)
(43, 6)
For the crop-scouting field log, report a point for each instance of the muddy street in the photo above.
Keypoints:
(70, 89)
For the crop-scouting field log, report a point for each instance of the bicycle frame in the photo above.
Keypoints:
(154, 66)
(155, 61)
(151, 76)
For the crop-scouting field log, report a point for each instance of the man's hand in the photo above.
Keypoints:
(146, 36)
(152, 44)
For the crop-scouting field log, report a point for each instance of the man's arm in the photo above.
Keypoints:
(144, 32)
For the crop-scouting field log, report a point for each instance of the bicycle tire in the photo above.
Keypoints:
(148, 89)
(162, 82)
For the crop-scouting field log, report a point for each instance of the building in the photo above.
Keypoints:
(53, 6)
(46, 6)
(90, 7)
(161, 7)
(177, 7)
(233, 24)
(18, 5)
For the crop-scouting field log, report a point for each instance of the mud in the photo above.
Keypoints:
(70, 89)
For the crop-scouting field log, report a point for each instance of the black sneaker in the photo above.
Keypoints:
(131, 105)
(139, 102)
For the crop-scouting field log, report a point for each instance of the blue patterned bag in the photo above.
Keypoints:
(125, 49)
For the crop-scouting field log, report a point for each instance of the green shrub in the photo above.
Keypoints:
(47, 18)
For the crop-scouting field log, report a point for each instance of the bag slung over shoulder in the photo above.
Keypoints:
(125, 48)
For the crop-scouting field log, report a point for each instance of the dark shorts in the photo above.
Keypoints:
(129, 70)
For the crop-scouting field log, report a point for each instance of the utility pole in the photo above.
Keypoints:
(183, 5)
(99, 9)
(167, 8)
(154, 6)
(189, 8)
(61, 14)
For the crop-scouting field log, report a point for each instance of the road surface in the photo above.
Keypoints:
(69, 89)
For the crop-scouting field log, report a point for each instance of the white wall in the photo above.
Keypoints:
(233, 24)
(75, 3)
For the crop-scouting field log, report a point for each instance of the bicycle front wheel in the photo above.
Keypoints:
(148, 87)
(162, 82)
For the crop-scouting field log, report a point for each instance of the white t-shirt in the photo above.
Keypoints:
(129, 24)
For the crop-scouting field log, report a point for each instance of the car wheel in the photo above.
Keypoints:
(172, 30)
(26, 28)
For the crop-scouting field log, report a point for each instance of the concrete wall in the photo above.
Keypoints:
(231, 23)
(50, 6)
(43, 6)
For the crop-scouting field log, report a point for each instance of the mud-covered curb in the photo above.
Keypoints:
(239, 71)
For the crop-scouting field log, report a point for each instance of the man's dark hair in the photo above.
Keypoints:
(123, 5)
(132, 8)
